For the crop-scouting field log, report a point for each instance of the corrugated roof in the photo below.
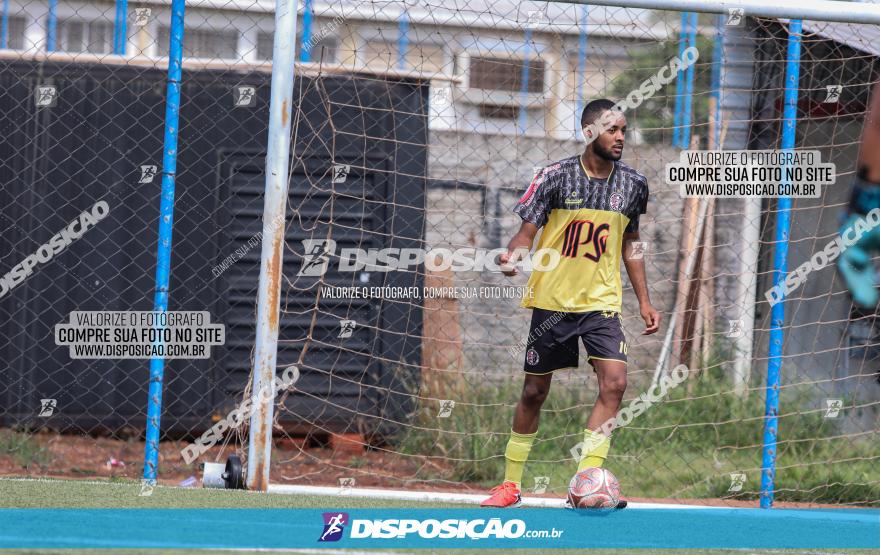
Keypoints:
(865, 38)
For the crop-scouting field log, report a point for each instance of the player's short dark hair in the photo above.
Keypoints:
(594, 109)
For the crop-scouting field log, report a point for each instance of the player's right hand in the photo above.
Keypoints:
(507, 263)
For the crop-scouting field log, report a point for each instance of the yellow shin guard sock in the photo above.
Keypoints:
(516, 455)
(595, 451)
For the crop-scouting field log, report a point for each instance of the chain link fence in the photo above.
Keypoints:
(418, 125)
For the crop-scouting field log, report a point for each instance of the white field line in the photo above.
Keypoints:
(387, 494)
(443, 497)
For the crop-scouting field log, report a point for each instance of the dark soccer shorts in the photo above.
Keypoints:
(553, 339)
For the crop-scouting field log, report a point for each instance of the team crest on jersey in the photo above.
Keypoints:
(532, 357)
(616, 201)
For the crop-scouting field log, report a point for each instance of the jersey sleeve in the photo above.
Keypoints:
(640, 206)
(534, 205)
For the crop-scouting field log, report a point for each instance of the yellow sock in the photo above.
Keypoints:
(595, 451)
(516, 455)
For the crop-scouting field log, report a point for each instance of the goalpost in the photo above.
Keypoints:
(374, 151)
(452, 414)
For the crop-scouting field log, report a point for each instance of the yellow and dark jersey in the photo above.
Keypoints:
(584, 220)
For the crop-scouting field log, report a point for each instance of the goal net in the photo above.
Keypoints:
(416, 128)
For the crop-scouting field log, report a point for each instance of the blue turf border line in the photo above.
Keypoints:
(302, 528)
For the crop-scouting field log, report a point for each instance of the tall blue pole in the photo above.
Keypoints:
(780, 268)
(582, 65)
(402, 39)
(679, 83)
(4, 26)
(52, 26)
(120, 27)
(166, 221)
(689, 85)
(524, 86)
(305, 51)
(717, 62)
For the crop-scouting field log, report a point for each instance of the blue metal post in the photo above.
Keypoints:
(582, 66)
(717, 62)
(4, 26)
(780, 268)
(524, 86)
(305, 50)
(120, 27)
(402, 39)
(679, 83)
(166, 221)
(52, 26)
(689, 85)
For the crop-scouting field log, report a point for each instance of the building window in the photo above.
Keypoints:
(202, 43)
(499, 112)
(264, 45)
(322, 50)
(95, 37)
(503, 74)
(15, 35)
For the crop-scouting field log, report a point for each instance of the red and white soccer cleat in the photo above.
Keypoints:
(506, 495)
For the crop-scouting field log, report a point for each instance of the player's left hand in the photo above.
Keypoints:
(651, 318)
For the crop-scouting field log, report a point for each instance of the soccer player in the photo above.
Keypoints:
(855, 263)
(589, 207)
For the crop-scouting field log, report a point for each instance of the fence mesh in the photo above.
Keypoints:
(418, 126)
